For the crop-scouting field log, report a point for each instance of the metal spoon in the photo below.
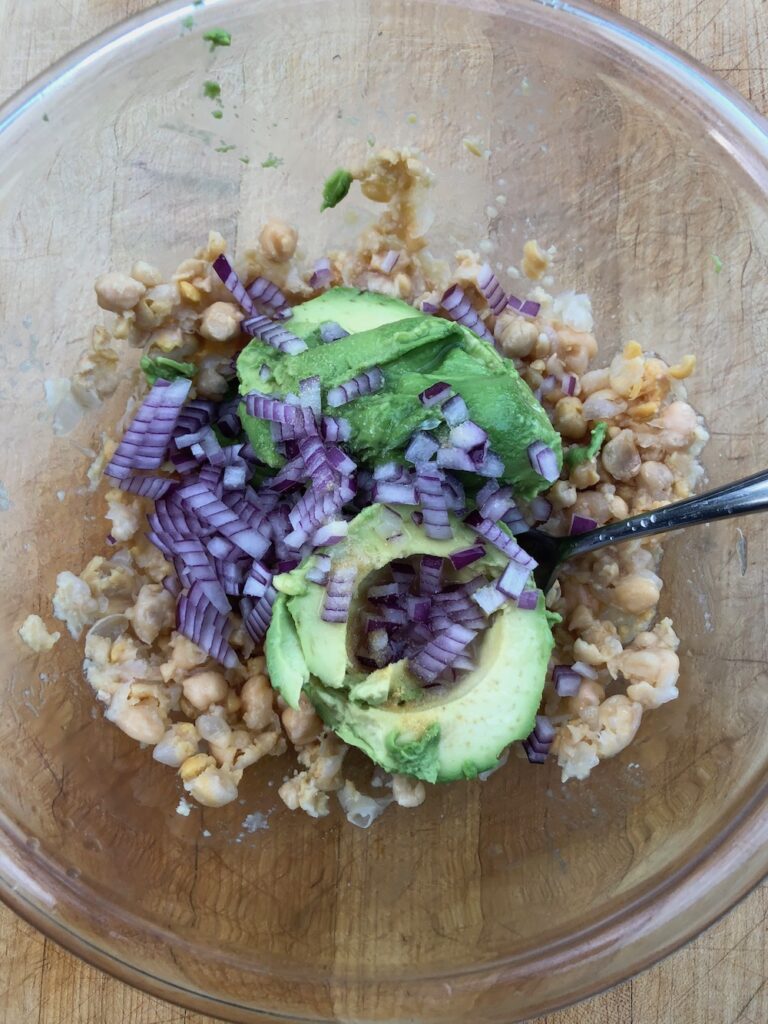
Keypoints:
(738, 499)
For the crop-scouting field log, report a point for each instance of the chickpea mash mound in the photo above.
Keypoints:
(628, 439)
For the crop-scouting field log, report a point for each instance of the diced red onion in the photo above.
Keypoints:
(390, 471)
(430, 572)
(455, 411)
(418, 608)
(172, 585)
(338, 595)
(402, 572)
(220, 547)
(587, 671)
(455, 459)
(232, 283)
(366, 383)
(498, 504)
(267, 294)
(373, 623)
(421, 448)
(146, 486)
(525, 307)
(541, 509)
(534, 756)
(465, 557)
(429, 489)
(543, 461)
(258, 617)
(429, 307)
(467, 435)
(435, 394)
(205, 625)
(331, 331)
(335, 428)
(489, 598)
(491, 466)
(277, 411)
(195, 414)
(340, 461)
(512, 581)
(568, 384)
(528, 600)
(273, 333)
(388, 261)
(489, 285)
(544, 730)
(145, 442)
(458, 307)
(331, 533)
(500, 539)
(396, 493)
(581, 524)
(201, 500)
(393, 616)
(286, 565)
(318, 571)
(234, 478)
(322, 273)
(567, 682)
(441, 652)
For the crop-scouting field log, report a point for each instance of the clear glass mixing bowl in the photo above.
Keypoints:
(496, 900)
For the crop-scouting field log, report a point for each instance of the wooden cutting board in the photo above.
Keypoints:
(722, 978)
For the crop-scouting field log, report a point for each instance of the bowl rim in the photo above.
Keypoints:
(737, 857)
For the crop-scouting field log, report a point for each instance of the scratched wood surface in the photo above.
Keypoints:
(722, 978)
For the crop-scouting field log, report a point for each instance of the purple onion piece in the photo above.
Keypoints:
(455, 411)
(388, 262)
(440, 653)
(465, 557)
(492, 291)
(528, 600)
(420, 448)
(331, 331)
(232, 283)
(322, 274)
(435, 394)
(543, 461)
(366, 383)
(457, 307)
(267, 294)
(567, 682)
(581, 524)
(587, 671)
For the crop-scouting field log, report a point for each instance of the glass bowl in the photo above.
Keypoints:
(496, 900)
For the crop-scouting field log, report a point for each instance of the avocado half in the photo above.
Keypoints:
(436, 735)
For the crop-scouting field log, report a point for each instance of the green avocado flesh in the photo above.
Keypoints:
(439, 734)
(413, 351)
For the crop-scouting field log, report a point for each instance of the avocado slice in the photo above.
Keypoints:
(463, 731)
(376, 536)
(343, 306)
(287, 666)
(438, 735)
(414, 350)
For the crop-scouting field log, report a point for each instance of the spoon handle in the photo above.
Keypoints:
(737, 499)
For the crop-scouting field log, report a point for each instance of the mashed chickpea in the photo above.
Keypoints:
(212, 724)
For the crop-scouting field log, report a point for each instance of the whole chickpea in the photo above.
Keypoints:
(205, 688)
(118, 292)
(278, 240)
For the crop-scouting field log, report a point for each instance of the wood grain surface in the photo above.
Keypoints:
(721, 978)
